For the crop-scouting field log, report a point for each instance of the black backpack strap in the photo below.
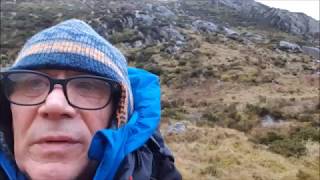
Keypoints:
(156, 144)
(163, 161)
(137, 164)
(153, 161)
(126, 168)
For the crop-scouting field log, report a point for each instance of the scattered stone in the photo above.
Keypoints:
(270, 121)
(129, 20)
(164, 12)
(169, 33)
(148, 7)
(144, 18)
(255, 38)
(289, 47)
(204, 26)
(311, 51)
(172, 49)
(231, 33)
(138, 44)
(177, 128)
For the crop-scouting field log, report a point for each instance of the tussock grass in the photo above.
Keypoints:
(222, 153)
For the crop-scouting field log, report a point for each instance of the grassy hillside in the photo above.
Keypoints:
(225, 154)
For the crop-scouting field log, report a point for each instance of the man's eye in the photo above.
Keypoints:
(36, 84)
(84, 86)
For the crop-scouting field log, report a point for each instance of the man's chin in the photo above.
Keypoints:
(54, 170)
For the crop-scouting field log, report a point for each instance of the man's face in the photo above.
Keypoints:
(51, 140)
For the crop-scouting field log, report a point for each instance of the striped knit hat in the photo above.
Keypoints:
(74, 45)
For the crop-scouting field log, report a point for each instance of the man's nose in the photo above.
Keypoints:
(56, 106)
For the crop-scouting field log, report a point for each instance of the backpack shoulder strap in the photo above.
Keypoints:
(157, 145)
(163, 166)
(153, 161)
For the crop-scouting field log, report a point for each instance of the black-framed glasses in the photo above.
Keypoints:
(29, 88)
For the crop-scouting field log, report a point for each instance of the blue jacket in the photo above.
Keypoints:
(111, 146)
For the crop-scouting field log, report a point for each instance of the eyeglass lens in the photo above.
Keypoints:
(83, 92)
(27, 88)
(88, 92)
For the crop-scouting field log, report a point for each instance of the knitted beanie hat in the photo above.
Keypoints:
(74, 45)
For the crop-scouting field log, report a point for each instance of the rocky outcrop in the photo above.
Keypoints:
(139, 24)
(295, 23)
(259, 14)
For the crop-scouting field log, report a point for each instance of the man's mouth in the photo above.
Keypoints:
(57, 140)
(57, 144)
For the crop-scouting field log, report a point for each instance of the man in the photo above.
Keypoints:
(68, 109)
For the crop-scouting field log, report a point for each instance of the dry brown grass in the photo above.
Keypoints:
(226, 154)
